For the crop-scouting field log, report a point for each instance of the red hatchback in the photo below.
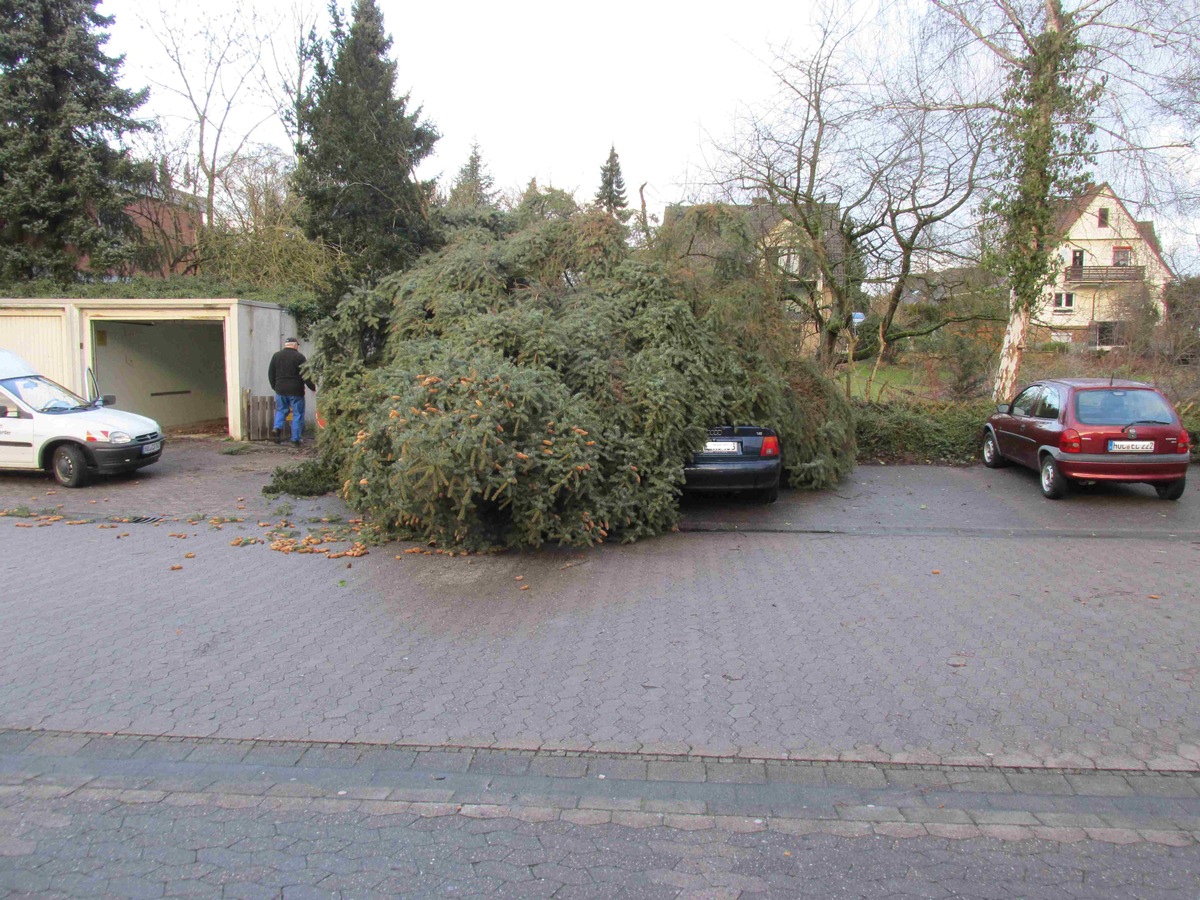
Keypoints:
(1091, 429)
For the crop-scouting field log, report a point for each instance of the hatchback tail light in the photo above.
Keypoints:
(770, 446)
(1070, 441)
(1184, 444)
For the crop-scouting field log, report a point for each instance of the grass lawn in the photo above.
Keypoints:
(892, 382)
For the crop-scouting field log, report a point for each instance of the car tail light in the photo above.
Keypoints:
(770, 446)
(1069, 442)
(1184, 444)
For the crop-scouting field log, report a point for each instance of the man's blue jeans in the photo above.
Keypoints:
(296, 405)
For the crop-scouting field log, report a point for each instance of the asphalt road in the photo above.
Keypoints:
(966, 689)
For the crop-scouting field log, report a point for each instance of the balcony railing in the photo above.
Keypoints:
(1103, 274)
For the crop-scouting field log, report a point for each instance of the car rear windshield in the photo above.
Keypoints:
(1115, 406)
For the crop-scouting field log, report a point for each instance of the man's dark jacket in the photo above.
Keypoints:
(284, 373)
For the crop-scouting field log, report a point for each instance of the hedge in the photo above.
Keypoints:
(916, 432)
(942, 432)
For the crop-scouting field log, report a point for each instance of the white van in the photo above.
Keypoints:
(45, 426)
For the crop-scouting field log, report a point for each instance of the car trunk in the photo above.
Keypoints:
(733, 440)
(1126, 441)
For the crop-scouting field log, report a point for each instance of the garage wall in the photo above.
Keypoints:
(40, 339)
(262, 331)
(177, 381)
(172, 371)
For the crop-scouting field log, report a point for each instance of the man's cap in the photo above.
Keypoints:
(291, 341)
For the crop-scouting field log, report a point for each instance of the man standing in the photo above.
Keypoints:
(288, 385)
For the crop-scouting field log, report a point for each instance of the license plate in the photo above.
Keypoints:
(1131, 446)
(152, 447)
(721, 447)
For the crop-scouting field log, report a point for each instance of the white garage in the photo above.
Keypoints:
(186, 363)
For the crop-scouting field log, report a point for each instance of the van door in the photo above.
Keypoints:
(16, 435)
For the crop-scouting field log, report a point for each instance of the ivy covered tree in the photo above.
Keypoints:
(1046, 142)
(1110, 85)
(358, 150)
(65, 179)
(473, 187)
(611, 195)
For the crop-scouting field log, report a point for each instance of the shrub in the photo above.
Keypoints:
(943, 432)
(310, 478)
(1189, 413)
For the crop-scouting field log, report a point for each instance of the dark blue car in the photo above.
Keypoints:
(737, 458)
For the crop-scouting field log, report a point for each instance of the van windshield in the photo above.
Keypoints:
(42, 394)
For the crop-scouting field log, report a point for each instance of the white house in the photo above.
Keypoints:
(1110, 262)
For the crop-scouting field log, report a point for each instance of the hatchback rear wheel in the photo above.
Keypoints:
(1171, 490)
(1054, 482)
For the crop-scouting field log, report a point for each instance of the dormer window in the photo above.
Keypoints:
(1122, 256)
(1102, 217)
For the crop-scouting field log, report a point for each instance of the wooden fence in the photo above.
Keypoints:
(258, 416)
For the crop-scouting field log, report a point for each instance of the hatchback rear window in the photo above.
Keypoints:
(1114, 406)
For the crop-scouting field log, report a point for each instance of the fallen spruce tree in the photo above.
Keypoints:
(546, 385)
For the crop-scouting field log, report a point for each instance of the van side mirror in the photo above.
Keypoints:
(3, 412)
(1002, 407)
(108, 400)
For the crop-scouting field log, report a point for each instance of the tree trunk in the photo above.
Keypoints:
(827, 353)
(1011, 352)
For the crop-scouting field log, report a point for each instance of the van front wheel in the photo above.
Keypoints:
(70, 465)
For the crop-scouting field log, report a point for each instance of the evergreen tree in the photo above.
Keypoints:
(611, 195)
(65, 182)
(358, 150)
(473, 187)
(545, 205)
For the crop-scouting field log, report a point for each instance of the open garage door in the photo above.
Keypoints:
(171, 370)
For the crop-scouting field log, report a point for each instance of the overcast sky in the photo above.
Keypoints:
(547, 87)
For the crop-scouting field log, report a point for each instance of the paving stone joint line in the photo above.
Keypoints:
(873, 760)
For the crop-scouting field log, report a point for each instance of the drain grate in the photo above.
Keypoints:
(138, 520)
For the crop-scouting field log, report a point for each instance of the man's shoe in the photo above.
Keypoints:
(296, 445)
(276, 436)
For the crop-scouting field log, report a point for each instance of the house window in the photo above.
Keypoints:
(1108, 334)
(1102, 217)
(1077, 259)
(1122, 256)
(786, 260)
(1064, 303)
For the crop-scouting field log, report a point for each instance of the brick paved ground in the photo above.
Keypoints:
(992, 694)
(90, 815)
(197, 475)
(929, 649)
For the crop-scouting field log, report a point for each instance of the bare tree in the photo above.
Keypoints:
(261, 243)
(291, 52)
(216, 70)
(1106, 82)
(873, 181)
